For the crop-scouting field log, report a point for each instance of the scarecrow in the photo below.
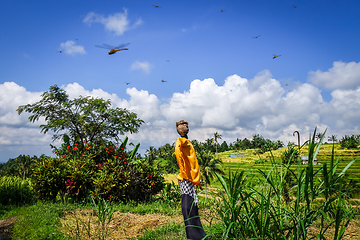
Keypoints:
(189, 177)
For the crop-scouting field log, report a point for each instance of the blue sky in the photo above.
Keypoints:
(202, 49)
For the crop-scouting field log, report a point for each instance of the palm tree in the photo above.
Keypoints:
(208, 165)
(24, 163)
(332, 138)
(319, 136)
(216, 137)
(151, 153)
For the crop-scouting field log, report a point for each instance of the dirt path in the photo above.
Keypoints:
(5, 226)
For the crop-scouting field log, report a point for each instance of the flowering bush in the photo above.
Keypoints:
(100, 170)
(49, 178)
(99, 151)
(111, 181)
(145, 181)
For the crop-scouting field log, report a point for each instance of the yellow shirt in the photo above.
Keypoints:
(187, 161)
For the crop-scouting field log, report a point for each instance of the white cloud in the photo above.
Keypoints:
(144, 66)
(239, 102)
(11, 97)
(117, 22)
(340, 76)
(239, 108)
(70, 47)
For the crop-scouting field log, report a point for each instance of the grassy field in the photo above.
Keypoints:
(250, 162)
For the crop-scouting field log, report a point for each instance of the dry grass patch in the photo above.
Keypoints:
(83, 224)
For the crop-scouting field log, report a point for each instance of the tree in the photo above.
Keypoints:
(168, 158)
(82, 119)
(332, 138)
(319, 136)
(208, 165)
(151, 153)
(224, 147)
(258, 141)
(24, 164)
(216, 137)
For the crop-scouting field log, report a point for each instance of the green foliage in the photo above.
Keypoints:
(20, 166)
(9, 168)
(104, 213)
(99, 151)
(290, 155)
(208, 164)
(241, 144)
(49, 178)
(82, 118)
(167, 159)
(111, 181)
(16, 191)
(260, 212)
(99, 170)
(145, 181)
(349, 142)
(24, 164)
(170, 194)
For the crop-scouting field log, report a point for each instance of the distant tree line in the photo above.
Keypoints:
(210, 147)
(20, 166)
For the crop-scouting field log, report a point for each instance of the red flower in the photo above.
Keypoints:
(68, 147)
(69, 182)
(75, 148)
(125, 162)
(151, 176)
(55, 152)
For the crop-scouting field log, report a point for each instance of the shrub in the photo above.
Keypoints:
(49, 178)
(290, 155)
(170, 194)
(110, 181)
(100, 170)
(14, 190)
(145, 181)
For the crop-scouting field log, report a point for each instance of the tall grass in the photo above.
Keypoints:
(286, 202)
(15, 191)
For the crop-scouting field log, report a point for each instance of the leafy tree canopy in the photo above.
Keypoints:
(82, 119)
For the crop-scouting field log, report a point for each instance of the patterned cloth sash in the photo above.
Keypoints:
(186, 187)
